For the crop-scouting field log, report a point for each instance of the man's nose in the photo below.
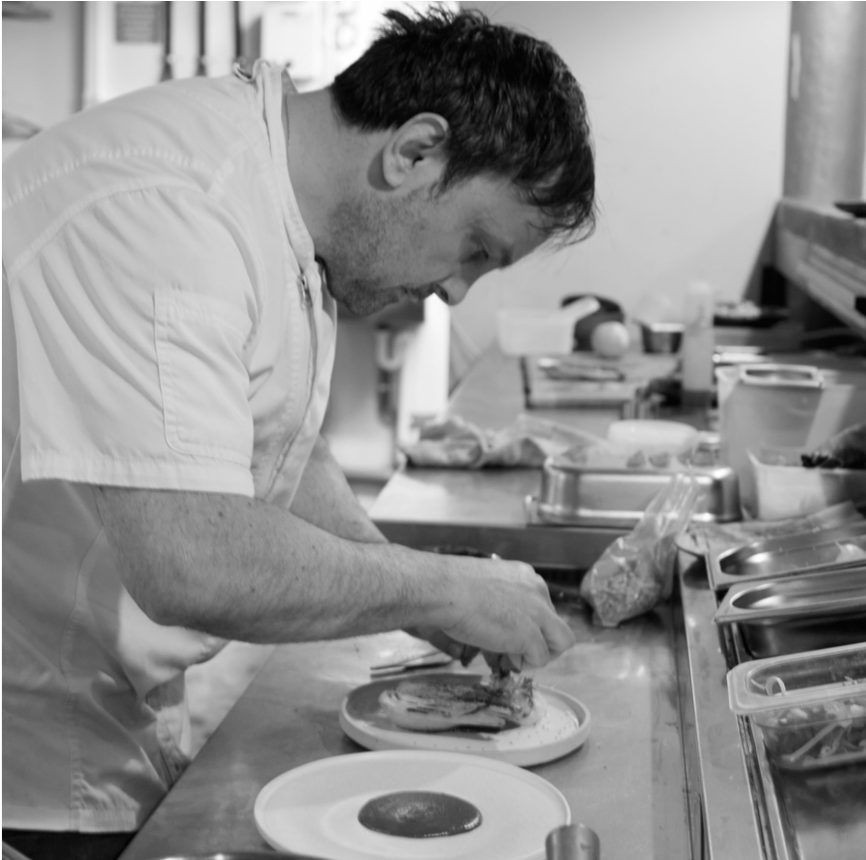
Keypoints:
(455, 289)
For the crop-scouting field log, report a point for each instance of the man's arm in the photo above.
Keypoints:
(245, 569)
(325, 499)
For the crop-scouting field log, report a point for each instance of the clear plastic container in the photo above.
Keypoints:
(783, 489)
(537, 331)
(810, 707)
(786, 407)
(652, 437)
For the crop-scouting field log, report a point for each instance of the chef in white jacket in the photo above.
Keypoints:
(172, 263)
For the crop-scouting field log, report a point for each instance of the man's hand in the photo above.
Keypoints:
(500, 607)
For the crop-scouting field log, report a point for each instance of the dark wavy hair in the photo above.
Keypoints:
(514, 108)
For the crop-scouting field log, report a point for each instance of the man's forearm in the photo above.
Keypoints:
(244, 569)
(325, 499)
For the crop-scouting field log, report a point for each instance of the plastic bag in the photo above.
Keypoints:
(457, 443)
(635, 573)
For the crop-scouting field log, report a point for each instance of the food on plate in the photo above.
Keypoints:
(845, 450)
(815, 735)
(419, 814)
(437, 704)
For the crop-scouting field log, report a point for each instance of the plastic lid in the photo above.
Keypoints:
(798, 679)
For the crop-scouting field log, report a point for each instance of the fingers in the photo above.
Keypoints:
(441, 640)
(469, 654)
(502, 607)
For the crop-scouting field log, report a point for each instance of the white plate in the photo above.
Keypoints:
(563, 727)
(314, 808)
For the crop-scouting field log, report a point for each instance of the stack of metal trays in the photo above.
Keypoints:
(791, 555)
(797, 593)
(793, 614)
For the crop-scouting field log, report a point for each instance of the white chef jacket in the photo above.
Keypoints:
(171, 331)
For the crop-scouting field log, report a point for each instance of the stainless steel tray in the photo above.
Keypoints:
(799, 554)
(804, 613)
(582, 496)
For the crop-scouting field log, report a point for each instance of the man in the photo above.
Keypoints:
(172, 263)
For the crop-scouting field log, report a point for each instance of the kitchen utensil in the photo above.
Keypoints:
(795, 614)
(563, 727)
(556, 368)
(806, 553)
(583, 380)
(572, 842)
(810, 707)
(314, 807)
(429, 659)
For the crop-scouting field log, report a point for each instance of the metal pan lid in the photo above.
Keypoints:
(818, 595)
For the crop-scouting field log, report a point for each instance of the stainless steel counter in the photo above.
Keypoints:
(748, 809)
(668, 771)
(484, 509)
(625, 782)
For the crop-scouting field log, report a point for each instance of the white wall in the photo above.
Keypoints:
(687, 103)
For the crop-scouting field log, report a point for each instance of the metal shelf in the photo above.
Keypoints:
(823, 251)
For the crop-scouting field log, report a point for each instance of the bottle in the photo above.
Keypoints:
(697, 346)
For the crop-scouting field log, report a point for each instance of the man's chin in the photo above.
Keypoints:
(367, 305)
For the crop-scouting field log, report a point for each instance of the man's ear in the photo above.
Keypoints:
(415, 152)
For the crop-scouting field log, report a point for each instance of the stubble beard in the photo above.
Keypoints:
(362, 238)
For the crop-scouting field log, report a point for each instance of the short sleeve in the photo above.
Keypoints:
(132, 324)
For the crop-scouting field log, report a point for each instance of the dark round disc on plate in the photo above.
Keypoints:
(419, 814)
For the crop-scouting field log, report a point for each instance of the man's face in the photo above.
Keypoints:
(383, 248)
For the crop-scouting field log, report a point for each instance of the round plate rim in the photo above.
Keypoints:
(390, 740)
(466, 759)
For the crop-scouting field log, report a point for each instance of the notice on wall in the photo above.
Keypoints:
(138, 22)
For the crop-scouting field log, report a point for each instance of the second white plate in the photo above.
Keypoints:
(562, 729)
(314, 808)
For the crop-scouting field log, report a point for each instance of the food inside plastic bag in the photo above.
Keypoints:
(635, 573)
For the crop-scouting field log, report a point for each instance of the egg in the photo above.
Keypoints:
(610, 339)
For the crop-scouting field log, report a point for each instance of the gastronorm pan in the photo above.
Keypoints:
(810, 707)
(810, 552)
(805, 613)
(574, 495)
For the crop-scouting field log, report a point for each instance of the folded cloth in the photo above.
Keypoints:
(456, 443)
